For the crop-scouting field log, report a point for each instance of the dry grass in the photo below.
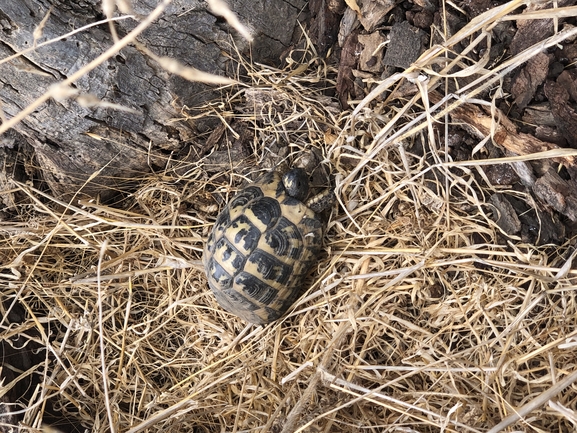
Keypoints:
(422, 316)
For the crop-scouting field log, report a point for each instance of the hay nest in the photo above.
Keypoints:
(422, 315)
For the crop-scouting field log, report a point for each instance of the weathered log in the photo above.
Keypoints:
(73, 141)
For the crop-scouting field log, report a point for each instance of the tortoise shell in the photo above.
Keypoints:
(260, 250)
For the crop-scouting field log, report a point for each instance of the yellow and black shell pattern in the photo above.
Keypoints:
(260, 250)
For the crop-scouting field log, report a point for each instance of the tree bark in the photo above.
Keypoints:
(70, 141)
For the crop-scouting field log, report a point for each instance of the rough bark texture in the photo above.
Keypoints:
(72, 142)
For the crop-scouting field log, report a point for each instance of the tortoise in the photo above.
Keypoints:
(263, 245)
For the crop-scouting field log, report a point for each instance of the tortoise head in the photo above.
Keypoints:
(296, 183)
